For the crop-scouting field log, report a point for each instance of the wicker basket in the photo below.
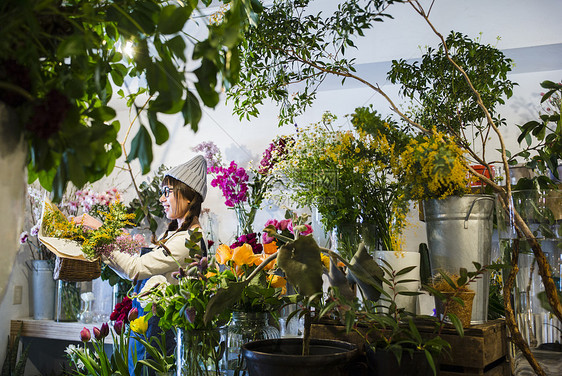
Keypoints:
(73, 270)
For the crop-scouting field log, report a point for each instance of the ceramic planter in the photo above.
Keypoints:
(282, 357)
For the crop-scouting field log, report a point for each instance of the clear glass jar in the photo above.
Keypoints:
(201, 352)
(67, 301)
(243, 328)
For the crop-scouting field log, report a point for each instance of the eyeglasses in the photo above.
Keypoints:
(166, 191)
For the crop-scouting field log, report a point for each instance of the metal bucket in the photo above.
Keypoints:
(459, 232)
(42, 290)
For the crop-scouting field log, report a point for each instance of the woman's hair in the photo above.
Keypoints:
(193, 209)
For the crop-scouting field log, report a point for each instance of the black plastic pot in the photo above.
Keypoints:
(282, 357)
(384, 363)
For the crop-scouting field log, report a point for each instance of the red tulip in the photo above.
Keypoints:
(118, 327)
(104, 330)
(85, 335)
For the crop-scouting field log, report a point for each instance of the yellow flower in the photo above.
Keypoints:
(223, 254)
(244, 255)
(139, 325)
(277, 281)
(325, 260)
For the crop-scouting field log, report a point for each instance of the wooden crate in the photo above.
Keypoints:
(482, 351)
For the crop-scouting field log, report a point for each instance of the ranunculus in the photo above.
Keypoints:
(85, 335)
(223, 254)
(244, 255)
(270, 248)
(284, 224)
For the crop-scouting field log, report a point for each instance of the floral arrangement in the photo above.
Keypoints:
(264, 292)
(93, 242)
(432, 166)
(91, 358)
(346, 176)
(244, 190)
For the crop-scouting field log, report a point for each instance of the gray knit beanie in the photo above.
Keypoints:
(193, 173)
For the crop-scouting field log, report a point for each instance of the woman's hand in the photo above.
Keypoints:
(88, 221)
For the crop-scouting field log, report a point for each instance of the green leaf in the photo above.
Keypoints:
(300, 260)
(159, 130)
(224, 299)
(191, 111)
(456, 323)
(141, 148)
(173, 19)
(73, 45)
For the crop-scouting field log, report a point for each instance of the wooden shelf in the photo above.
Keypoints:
(65, 331)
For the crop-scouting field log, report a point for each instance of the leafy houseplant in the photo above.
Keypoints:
(64, 62)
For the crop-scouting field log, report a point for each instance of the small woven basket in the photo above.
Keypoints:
(73, 270)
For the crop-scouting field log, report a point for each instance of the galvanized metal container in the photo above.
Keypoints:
(459, 232)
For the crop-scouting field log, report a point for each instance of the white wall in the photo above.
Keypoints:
(530, 33)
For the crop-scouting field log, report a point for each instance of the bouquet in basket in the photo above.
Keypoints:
(72, 241)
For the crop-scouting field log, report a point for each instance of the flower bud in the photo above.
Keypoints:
(104, 330)
(182, 273)
(85, 335)
(97, 334)
(133, 314)
(118, 327)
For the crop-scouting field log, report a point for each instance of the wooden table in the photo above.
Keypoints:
(66, 331)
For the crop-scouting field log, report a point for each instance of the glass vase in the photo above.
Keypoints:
(201, 352)
(246, 327)
(67, 301)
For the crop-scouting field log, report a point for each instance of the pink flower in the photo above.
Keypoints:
(284, 225)
(35, 230)
(85, 335)
(133, 314)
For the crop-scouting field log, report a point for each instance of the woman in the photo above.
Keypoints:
(184, 188)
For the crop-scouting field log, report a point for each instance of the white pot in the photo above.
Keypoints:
(399, 261)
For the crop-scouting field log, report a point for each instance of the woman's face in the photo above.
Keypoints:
(175, 206)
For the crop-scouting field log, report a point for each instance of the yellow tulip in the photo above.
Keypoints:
(244, 255)
(223, 254)
(139, 325)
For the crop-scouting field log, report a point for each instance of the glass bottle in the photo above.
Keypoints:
(243, 328)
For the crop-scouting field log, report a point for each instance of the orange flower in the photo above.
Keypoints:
(223, 254)
(262, 258)
(244, 255)
(270, 248)
(277, 281)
